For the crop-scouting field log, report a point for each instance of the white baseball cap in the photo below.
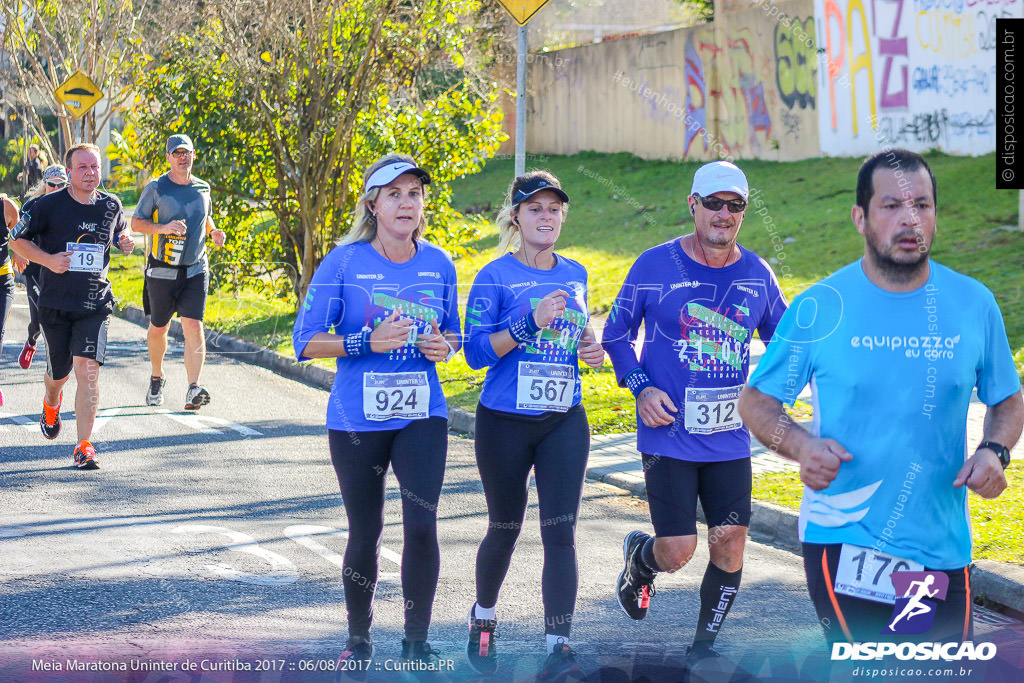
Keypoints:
(384, 175)
(719, 176)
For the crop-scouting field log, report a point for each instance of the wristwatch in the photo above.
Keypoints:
(1002, 451)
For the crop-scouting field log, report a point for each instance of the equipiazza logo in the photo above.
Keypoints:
(931, 347)
(948, 652)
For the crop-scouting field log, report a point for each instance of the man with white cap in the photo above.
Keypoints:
(700, 298)
(174, 211)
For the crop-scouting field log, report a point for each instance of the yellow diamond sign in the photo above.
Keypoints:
(522, 10)
(79, 94)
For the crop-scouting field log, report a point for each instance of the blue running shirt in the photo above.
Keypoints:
(355, 288)
(541, 375)
(698, 323)
(892, 376)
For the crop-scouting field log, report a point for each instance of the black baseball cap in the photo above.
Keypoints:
(535, 185)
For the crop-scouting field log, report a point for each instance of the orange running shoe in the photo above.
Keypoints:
(49, 421)
(85, 456)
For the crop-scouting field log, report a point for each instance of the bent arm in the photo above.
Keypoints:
(146, 226)
(1005, 420)
(30, 250)
(768, 422)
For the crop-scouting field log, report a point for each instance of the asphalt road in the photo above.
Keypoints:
(217, 537)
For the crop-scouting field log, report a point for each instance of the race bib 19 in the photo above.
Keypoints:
(864, 573)
(712, 410)
(85, 258)
(396, 394)
(545, 386)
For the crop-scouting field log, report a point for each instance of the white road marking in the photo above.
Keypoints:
(21, 420)
(301, 533)
(199, 423)
(103, 417)
(282, 570)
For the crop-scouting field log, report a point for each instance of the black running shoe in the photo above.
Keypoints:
(155, 395)
(635, 587)
(561, 665)
(196, 397)
(49, 421)
(355, 661)
(703, 664)
(420, 662)
(480, 652)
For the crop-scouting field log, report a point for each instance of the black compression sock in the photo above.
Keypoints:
(647, 556)
(717, 592)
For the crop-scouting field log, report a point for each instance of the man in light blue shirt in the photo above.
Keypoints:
(893, 346)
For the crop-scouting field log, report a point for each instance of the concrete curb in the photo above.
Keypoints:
(997, 582)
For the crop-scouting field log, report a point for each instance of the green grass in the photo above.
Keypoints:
(622, 205)
(248, 315)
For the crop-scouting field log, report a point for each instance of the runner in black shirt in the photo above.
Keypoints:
(70, 233)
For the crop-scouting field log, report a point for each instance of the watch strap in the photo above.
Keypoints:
(1000, 450)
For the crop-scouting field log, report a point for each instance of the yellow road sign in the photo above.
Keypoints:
(79, 94)
(522, 10)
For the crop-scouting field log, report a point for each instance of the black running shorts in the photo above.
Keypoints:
(674, 487)
(72, 333)
(172, 293)
(846, 618)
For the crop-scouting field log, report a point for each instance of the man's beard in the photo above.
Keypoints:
(897, 272)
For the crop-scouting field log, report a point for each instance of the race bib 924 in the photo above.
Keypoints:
(396, 394)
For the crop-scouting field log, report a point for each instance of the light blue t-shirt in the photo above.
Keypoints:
(892, 376)
(354, 289)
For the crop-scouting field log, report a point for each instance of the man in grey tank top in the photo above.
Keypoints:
(174, 214)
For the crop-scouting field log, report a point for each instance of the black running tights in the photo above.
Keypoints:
(556, 449)
(417, 455)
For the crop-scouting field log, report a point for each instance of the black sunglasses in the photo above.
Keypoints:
(716, 204)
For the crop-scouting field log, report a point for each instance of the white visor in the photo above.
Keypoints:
(385, 175)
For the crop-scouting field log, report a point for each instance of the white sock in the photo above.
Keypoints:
(554, 640)
(483, 612)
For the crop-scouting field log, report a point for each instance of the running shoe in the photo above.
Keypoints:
(561, 665)
(354, 663)
(480, 652)
(155, 395)
(49, 421)
(27, 353)
(85, 456)
(704, 664)
(420, 662)
(196, 397)
(635, 587)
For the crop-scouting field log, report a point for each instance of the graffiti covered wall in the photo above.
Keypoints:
(916, 73)
(780, 80)
(703, 92)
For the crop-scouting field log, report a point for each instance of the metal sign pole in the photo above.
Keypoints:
(1020, 210)
(521, 102)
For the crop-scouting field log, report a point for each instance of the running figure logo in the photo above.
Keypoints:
(913, 614)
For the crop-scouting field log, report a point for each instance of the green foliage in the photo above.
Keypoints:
(289, 108)
(128, 172)
(10, 166)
